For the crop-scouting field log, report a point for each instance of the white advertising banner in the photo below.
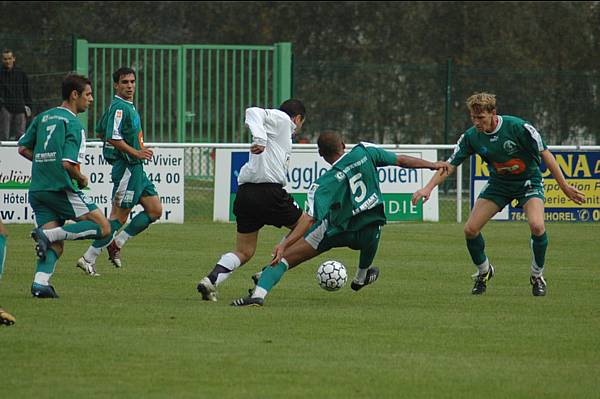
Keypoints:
(397, 184)
(165, 170)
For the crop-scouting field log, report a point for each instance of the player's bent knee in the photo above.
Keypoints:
(471, 232)
(537, 229)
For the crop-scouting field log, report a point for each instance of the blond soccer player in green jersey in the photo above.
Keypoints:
(345, 209)
(513, 150)
(55, 144)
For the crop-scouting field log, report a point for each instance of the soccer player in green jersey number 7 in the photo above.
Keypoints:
(121, 129)
(55, 144)
(345, 209)
(513, 150)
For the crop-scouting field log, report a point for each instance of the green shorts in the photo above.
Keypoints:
(503, 193)
(59, 206)
(130, 184)
(366, 240)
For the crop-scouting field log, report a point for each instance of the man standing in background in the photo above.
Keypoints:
(15, 98)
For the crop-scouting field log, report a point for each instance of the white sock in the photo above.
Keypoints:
(122, 238)
(42, 278)
(59, 234)
(484, 267)
(360, 275)
(259, 293)
(536, 271)
(229, 261)
(92, 253)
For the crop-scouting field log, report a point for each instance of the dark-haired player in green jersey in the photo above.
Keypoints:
(513, 150)
(5, 317)
(121, 129)
(55, 144)
(345, 209)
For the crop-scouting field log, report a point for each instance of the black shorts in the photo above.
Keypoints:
(257, 204)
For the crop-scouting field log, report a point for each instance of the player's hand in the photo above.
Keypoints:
(442, 166)
(277, 254)
(27, 111)
(422, 193)
(83, 182)
(145, 153)
(257, 149)
(574, 195)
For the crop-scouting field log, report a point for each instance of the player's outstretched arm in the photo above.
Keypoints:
(571, 192)
(436, 180)
(304, 223)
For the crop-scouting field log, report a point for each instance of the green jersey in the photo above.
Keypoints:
(348, 195)
(54, 136)
(121, 121)
(512, 150)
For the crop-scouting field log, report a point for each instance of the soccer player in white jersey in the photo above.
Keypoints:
(261, 198)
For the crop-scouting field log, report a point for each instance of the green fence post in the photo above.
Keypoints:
(181, 105)
(283, 65)
(81, 65)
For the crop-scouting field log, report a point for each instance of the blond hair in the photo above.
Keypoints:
(481, 102)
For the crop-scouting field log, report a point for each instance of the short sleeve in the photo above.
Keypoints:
(461, 152)
(29, 138)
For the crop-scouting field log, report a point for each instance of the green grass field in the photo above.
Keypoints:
(143, 332)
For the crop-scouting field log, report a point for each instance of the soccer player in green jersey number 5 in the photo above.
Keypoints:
(345, 209)
(55, 144)
(121, 129)
(513, 150)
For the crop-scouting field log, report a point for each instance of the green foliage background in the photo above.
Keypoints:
(374, 71)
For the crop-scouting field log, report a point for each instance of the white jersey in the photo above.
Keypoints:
(272, 129)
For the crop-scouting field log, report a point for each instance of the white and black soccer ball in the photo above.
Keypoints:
(332, 275)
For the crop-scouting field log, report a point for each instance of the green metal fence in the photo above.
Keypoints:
(189, 93)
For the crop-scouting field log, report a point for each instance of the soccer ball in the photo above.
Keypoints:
(332, 275)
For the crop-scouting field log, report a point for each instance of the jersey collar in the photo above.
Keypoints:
(121, 98)
(498, 126)
(68, 110)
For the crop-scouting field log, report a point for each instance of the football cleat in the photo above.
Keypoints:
(370, 278)
(6, 318)
(481, 280)
(248, 301)
(88, 267)
(538, 285)
(207, 289)
(114, 254)
(43, 291)
(42, 243)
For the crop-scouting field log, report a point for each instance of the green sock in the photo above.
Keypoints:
(139, 223)
(47, 265)
(115, 225)
(271, 276)
(476, 248)
(2, 253)
(83, 230)
(538, 246)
